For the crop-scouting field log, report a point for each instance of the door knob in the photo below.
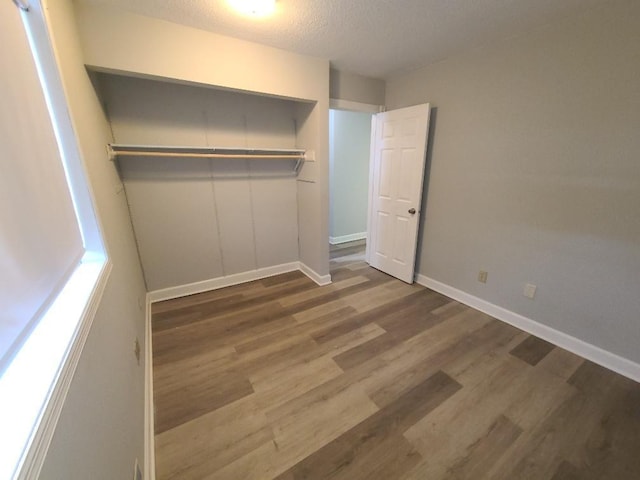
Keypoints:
(412, 211)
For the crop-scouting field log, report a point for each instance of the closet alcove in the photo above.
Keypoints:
(198, 219)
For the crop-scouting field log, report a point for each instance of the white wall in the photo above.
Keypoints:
(100, 431)
(535, 176)
(349, 145)
(200, 219)
(116, 41)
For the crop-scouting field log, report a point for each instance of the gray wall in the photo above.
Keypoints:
(356, 88)
(100, 431)
(197, 220)
(535, 175)
(349, 145)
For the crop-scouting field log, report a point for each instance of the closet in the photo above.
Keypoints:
(211, 179)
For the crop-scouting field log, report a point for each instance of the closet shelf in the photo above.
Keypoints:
(120, 150)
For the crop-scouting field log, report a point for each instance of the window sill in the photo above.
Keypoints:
(34, 386)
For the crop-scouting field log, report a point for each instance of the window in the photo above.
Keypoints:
(51, 254)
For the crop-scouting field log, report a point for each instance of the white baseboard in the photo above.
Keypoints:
(229, 280)
(586, 350)
(347, 238)
(321, 280)
(149, 433)
(221, 282)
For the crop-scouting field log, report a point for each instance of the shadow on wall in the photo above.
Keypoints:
(425, 188)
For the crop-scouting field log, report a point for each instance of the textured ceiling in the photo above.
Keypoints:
(377, 38)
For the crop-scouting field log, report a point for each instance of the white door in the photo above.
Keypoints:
(398, 154)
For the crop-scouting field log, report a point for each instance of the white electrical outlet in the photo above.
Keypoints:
(482, 276)
(529, 290)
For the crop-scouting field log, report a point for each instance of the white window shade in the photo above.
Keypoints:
(40, 242)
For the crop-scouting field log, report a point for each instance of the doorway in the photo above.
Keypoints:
(380, 209)
(349, 155)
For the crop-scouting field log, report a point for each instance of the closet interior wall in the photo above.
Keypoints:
(201, 219)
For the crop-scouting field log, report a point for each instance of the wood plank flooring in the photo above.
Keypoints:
(370, 378)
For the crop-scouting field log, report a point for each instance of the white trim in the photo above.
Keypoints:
(34, 457)
(372, 149)
(339, 104)
(609, 360)
(321, 280)
(352, 237)
(220, 282)
(235, 279)
(149, 433)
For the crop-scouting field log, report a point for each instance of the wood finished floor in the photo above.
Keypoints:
(370, 378)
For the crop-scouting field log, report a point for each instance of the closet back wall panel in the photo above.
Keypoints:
(235, 221)
(197, 220)
(165, 231)
(274, 205)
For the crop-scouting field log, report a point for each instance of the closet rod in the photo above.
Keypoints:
(207, 155)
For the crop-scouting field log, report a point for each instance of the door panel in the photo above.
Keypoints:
(386, 174)
(399, 145)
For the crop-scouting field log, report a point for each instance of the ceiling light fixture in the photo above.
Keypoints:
(254, 8)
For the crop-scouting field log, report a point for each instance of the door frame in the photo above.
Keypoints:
(349, 106)
(372, 146)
